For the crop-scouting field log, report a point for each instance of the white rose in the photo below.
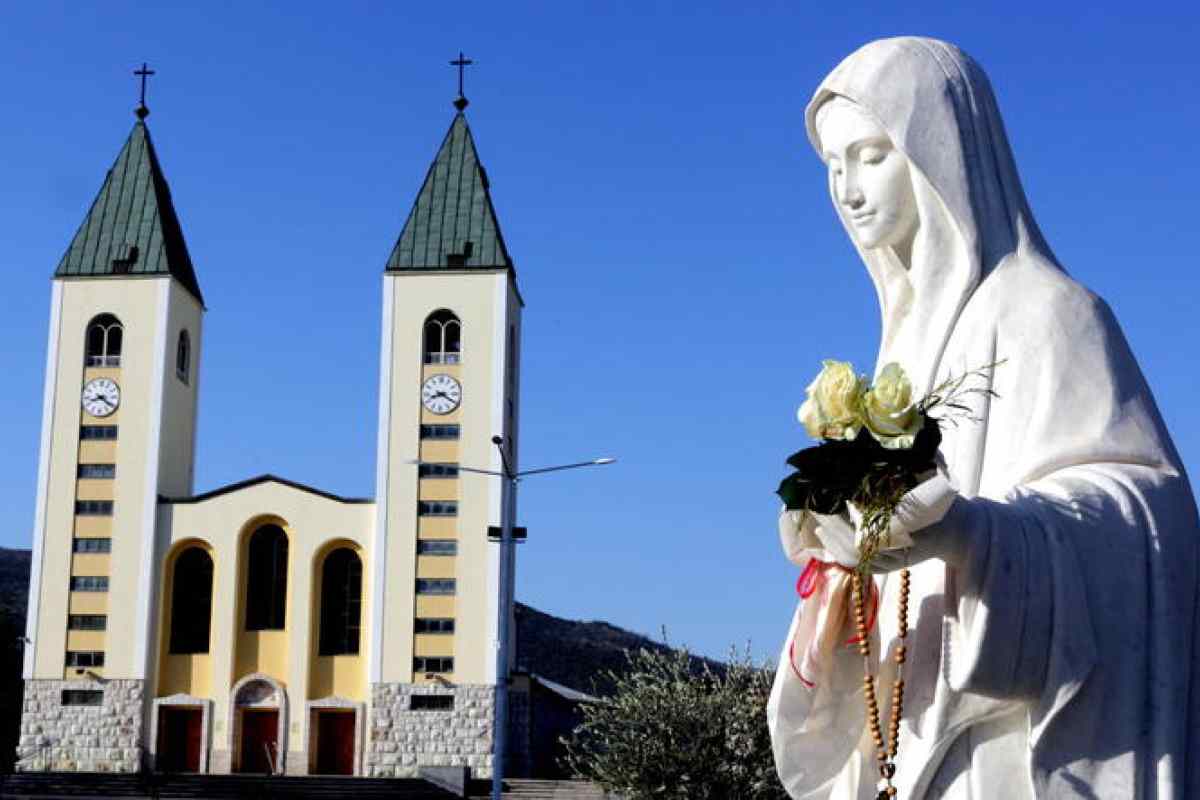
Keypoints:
(889, 412)
(833, 409)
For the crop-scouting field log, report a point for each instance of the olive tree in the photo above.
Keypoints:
(679, 727)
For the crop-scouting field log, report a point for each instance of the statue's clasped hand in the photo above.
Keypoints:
(928, 523)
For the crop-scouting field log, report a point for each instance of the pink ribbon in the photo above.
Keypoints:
(828, 594)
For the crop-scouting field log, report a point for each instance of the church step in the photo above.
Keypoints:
(529, 789)
(78, 785)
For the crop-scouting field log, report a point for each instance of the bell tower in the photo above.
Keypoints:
(448, 383)
(118, 431)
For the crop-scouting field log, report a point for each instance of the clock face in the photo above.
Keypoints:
(101, 396)
(441, 394)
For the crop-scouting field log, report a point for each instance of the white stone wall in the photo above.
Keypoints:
(402, 740)
(103, 738)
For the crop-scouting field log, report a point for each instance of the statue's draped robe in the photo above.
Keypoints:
(1061, 660)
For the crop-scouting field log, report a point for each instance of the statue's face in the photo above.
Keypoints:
(868, 177)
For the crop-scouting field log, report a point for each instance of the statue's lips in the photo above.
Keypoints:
(858, 219)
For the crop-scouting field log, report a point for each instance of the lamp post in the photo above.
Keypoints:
(508, 509)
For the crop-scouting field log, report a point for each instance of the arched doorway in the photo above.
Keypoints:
(260, 725)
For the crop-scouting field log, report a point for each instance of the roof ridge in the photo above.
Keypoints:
(257, 480)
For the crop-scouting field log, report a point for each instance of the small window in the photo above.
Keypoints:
(433, 625)
(435, 586)
(431, 702)
(91, 432)
(89, 583)
(124, 257)
(103, 342)
(437, 508)
(83, 697)
(87, 622)
(427, 664)
(440, 431)
(443, 338)
(94, 508)
(97, 470)
(85, 658)
(437, 547)
(438, 470)
(92, 545)
(183, 357)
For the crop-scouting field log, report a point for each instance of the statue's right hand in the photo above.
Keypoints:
(838, 535)
(797, 533)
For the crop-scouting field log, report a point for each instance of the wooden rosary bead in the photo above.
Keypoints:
(886, 748)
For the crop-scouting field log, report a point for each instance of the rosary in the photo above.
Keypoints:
(885, 751)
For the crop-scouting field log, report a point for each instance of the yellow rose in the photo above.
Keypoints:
(889, 412)
(833, 409)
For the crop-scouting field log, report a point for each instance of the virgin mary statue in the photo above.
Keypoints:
(1054, 616)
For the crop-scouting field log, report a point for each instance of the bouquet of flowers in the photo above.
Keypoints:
(877, 444)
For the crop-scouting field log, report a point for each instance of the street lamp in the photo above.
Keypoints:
(508, 507)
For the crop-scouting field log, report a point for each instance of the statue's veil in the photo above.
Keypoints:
(938, 108)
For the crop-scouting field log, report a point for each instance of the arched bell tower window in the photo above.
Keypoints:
(443, 338)
(183, 356)
(266, 579)
(104, 335)
(191, 601)
(341, 602)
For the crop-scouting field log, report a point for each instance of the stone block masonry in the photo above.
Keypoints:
(83, 738)
(404, 738)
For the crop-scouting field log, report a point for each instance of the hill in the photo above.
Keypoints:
(580, 655)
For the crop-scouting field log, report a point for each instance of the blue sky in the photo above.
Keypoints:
(682, 266)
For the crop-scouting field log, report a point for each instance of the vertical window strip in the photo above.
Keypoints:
(437, 547)
(434, 625)
(441, 470)
(87, 622)
(96, 545)
(94, 508)
(440, 431)
(436, 586)
(85, 658)
(97, 471)
(89, 583)
(437, 508)
(82, 697)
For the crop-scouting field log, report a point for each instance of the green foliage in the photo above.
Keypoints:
(674, 728)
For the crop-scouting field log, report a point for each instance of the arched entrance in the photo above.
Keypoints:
(259, 717)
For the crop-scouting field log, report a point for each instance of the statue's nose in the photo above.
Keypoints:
(850, 195)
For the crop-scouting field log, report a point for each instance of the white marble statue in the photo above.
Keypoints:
(1055, 613)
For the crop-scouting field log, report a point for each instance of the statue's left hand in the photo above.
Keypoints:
(923, 516)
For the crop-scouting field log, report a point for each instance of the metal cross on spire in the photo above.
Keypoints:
(462, 62)
(143, 73)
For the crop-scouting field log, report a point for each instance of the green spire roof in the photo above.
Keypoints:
(452, 224)
(131, 228)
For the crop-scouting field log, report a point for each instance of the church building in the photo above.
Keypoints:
(267, 625)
